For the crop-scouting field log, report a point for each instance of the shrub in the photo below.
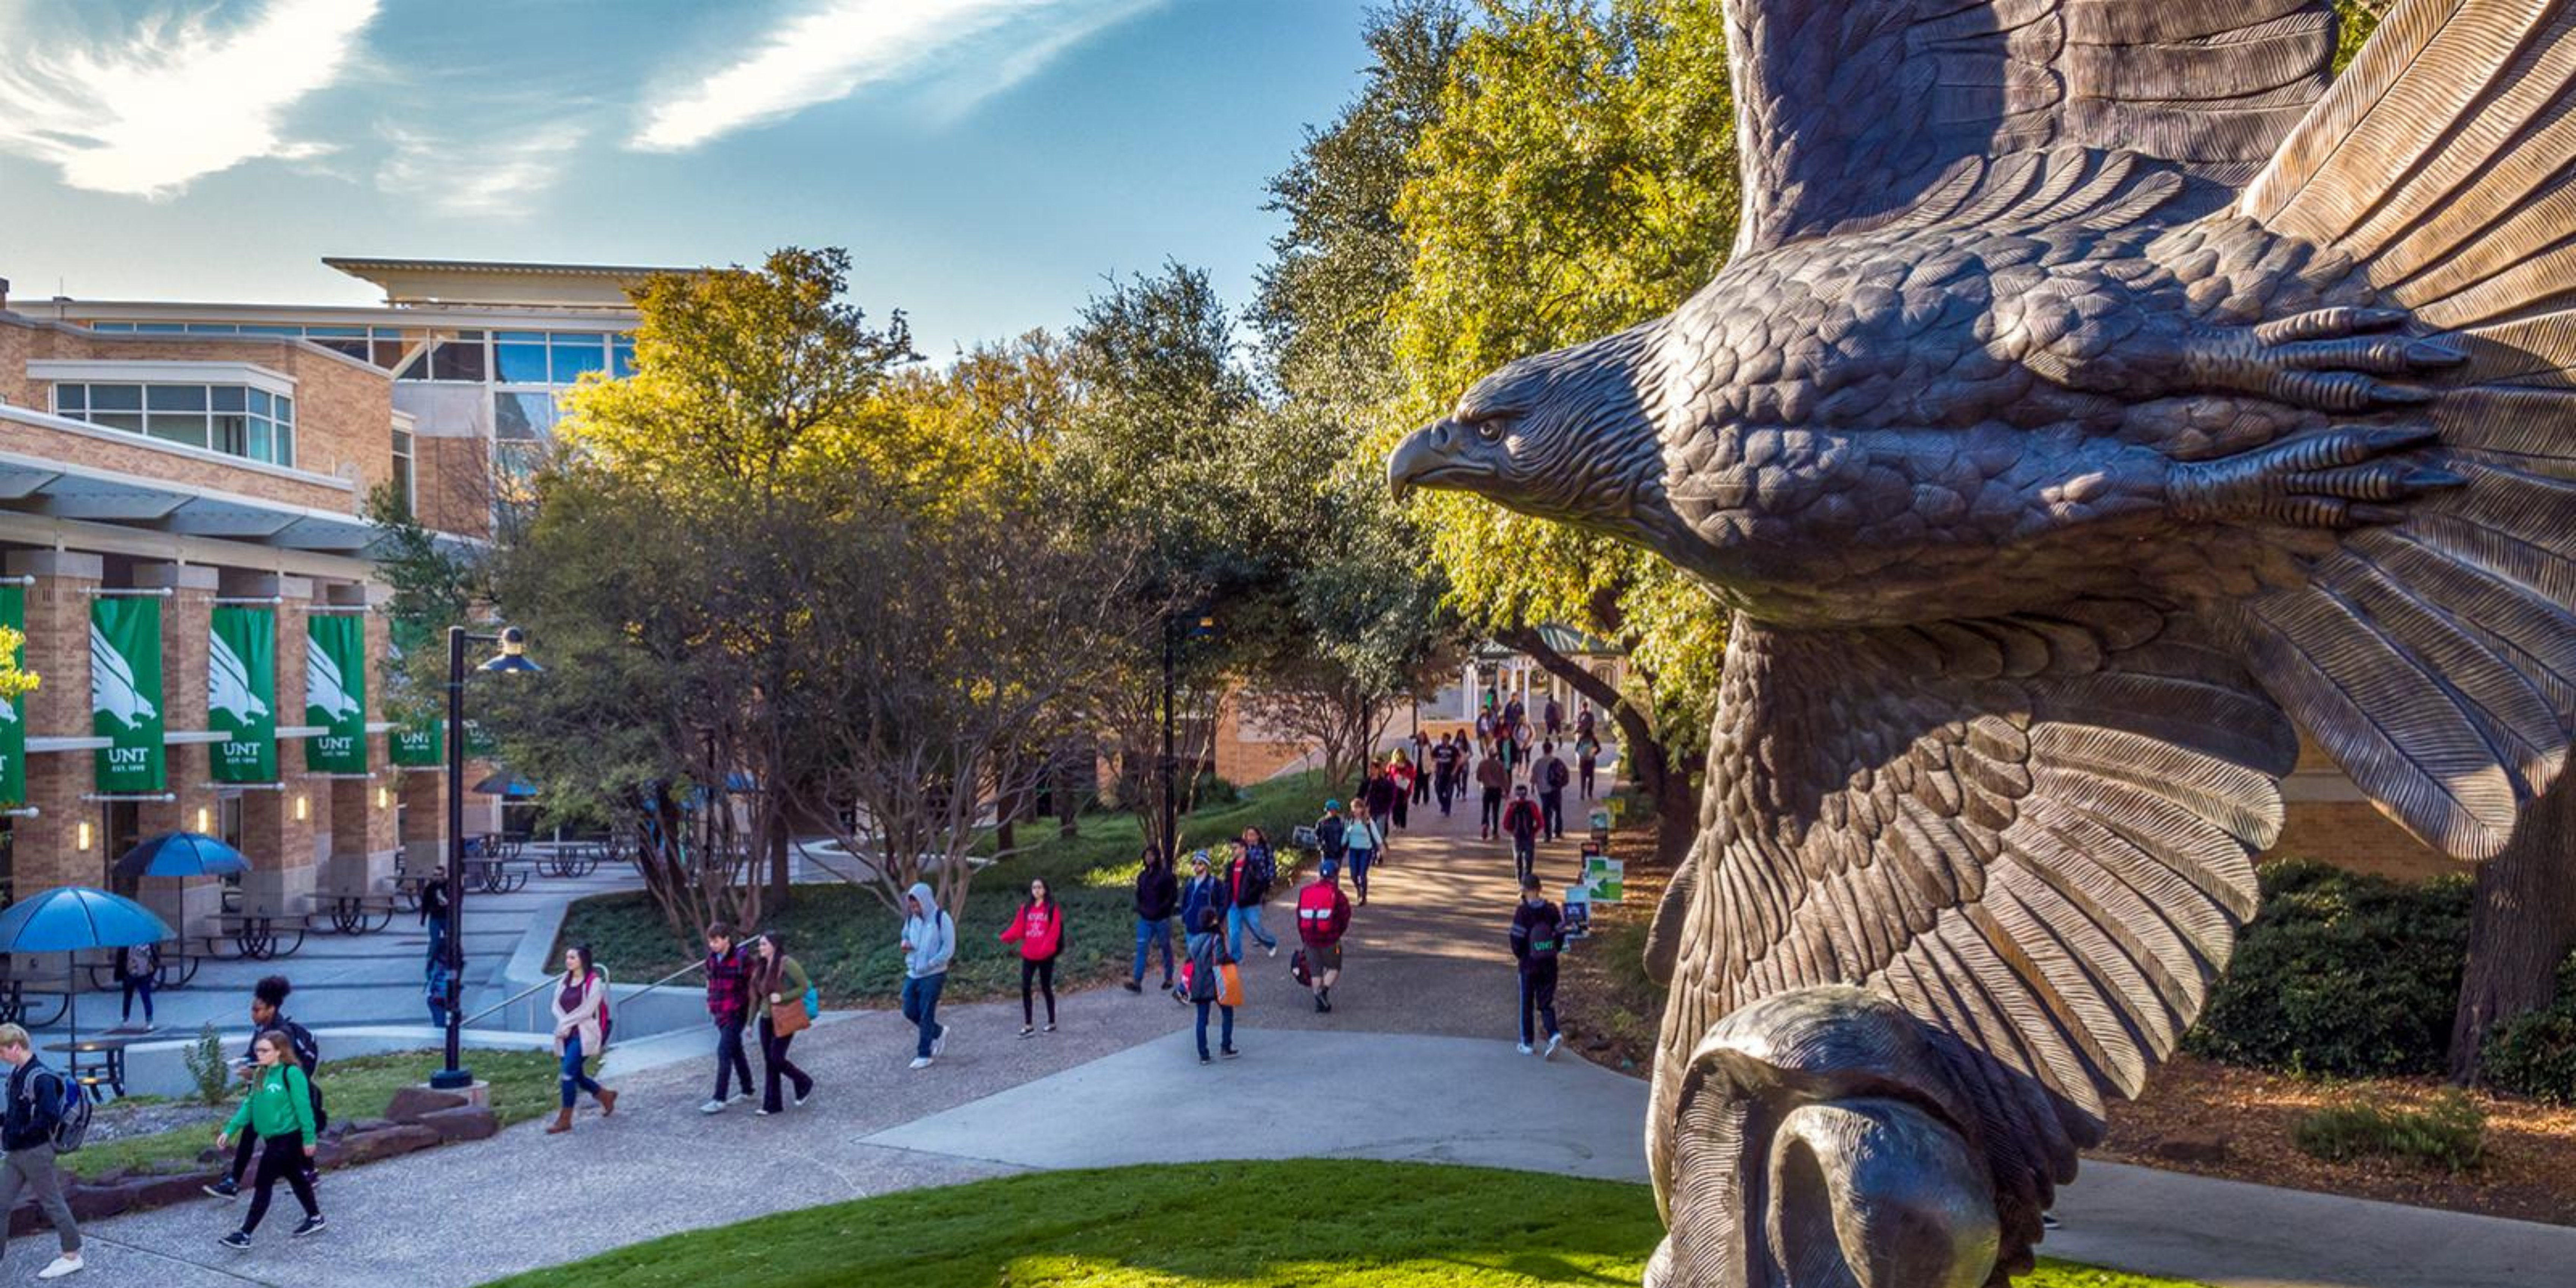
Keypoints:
(2451, 1133)
(2535, 1054)
(2341, 974)
(207, 1067)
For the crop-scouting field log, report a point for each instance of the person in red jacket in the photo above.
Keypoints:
(1523, 820)
(1323, 914)
(1038, 928)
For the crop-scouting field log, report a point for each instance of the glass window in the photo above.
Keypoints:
(70, 400)
(214, 328)
(183, 428)
(116, 397)
(111, 326)
(272, 330)
(522, 417)
(232, 433)
(285, 410)
(339, 332)
(161, 328)
(458, 358)
(131, 421)
(260, 403)
(413, 363)
(285, 453)
(175, 397)
(520, 364)
(228, 397)
(622, 358)
(575, 354)
(261, 439)
(354, 348)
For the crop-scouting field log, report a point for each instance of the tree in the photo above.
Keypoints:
(2522, 924)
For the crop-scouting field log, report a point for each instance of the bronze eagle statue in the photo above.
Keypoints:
(2098, 394)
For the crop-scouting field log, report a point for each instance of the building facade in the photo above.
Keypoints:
(183, 543)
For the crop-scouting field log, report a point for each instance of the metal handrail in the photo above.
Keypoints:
(549, 982)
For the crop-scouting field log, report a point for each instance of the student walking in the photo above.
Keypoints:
(1203, 894)
(1379, 795)
(280, 1109)
(1485, 727)
(1247, 882)
(1158, 896)
(36, 1099)
(1587, 758)
(1400, 776)
(1038, 928)
(268, 1015)
(1366, 838)
(581, 1031)
(788, 1007)
(1493, 780)
(1323, 915)
(1421, 768)
(1213, 982)
(1548, 776)
(1332, 837)
(1537, 929)
(138, 968)
(729, 1006)
(929, 942)
(1446, 763)
(1524, 823)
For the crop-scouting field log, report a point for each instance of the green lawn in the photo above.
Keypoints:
(847, 940)
(1346, 1223)
(523, 1087)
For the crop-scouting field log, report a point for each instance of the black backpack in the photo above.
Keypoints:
(308, 1053)
(1331, 831)
(1556, 775)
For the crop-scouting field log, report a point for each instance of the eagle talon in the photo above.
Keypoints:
(2341, 478)
(2324, 360)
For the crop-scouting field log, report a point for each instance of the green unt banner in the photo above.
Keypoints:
(421, 743)
(479, 742)
(13, 711)
(125, 693)
(241, 693)
(335, 692)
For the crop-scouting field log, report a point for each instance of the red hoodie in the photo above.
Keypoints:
(1038, 929)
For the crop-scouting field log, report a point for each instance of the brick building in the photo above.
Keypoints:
(215, 458)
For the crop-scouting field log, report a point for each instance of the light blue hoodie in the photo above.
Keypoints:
(933, 936)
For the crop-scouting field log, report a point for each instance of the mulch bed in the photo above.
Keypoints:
(2197, 1116)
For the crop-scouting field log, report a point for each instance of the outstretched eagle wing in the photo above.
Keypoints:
(2035, 834)
(1849, 112)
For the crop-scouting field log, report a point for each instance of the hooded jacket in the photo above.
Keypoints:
(931, 932)
(1158, 892)
(1038, 929)
(1207, 952)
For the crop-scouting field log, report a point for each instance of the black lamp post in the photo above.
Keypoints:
(512, 659)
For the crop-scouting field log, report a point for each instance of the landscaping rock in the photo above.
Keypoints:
(360, 1124)
(468, 1123)
(411, 1102)
(2206, 1150)
(369, 1147)
(99, 1202)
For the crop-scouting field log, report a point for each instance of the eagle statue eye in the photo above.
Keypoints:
(1490, 425)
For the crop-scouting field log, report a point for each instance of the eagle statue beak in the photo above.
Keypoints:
(1423, 452)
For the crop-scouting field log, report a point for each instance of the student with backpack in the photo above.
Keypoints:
(1213, 982)
(1537, 934)
(1158, 896)
(1366, 840)
(929, 943)
(1587, 759)
(728, 972)
(1447, 760)
(280, 1109)
(581, 1031)
(1549, 776)
(1038, 928)
(1247, 881)
(39, 1100)
(1323, 916)
(138, 968)
(1524, 822)
(1493, 779)
(1332, 837)
(789, 1005)
(268, 1015)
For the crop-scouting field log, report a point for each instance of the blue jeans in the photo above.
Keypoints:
(1225, 1038)
(1360, 860)
(1238, 920)
(1538, 993)
(921, 1006)
(1152, 934)
(574, 1080)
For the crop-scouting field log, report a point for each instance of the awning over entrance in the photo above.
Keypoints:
(53, 489)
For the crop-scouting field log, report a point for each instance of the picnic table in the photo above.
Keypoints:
(258, 934)
(15, 1008)
(354, 912)
(108, 1071)
(497, 875)
(572, 858)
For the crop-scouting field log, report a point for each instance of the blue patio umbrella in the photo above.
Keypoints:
(182, 854)
(507, 784)
(67, 919)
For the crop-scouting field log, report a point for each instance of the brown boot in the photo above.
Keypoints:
(607, 1102)
(562, 1122)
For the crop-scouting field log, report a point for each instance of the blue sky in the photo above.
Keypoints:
(986, 161)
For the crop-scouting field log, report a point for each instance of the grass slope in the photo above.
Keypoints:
(847, 940)
(523, 1087)
(1350, 1224)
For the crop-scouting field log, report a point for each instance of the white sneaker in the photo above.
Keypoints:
(1272, 950)
(921, 1062)
(1555, 1042)
(1525, 1048)
(740, 1096)
(939, 1044)
(712, 1107)
(66, 1264)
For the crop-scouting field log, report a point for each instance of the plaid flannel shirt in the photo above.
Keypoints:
(728, 985)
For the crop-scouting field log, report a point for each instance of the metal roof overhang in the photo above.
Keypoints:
(45, 489)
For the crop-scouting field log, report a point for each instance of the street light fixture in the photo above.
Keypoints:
(511, 660)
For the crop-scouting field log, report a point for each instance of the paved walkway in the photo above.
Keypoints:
(1414, 1063)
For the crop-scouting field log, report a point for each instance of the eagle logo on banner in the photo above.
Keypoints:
(111, 683)
(324, 687)
(228, 683)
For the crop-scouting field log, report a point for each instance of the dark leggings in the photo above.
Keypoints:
(1043, 972)
(138, 984)
(775, 1065)
(282, 1159)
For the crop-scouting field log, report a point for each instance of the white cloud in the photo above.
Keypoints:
(498, 175)
(176, 98)
(971, 49)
